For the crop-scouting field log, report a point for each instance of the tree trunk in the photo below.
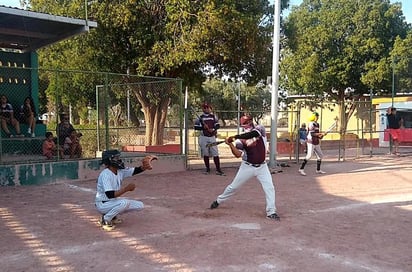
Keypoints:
(155, 119)
(154, 99)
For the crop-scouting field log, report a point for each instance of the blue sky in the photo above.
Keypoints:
(406, 6)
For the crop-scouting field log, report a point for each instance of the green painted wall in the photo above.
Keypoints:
(51, 172)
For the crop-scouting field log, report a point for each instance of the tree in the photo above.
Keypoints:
(175, 38)
(402, 62)
(341, 49)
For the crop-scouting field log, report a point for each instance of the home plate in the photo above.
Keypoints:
(247, 226)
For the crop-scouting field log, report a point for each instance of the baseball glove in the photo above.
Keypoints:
(147, 162)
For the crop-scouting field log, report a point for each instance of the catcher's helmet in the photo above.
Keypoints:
(245, 120)
(112, 157)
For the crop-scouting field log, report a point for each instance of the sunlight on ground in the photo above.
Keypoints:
(406, 207)
(141, 248)
(371, 189)
(51, 260)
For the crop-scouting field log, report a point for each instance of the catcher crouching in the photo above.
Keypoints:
(110, 188)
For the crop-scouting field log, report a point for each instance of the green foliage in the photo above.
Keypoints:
(176, 38)
(224, 95)
(402, 63)
(340, 44)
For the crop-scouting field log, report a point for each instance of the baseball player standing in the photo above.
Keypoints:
(109, 188)
(208, 124)
(251, 146)
(313, 144)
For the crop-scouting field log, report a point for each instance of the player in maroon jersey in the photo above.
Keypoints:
(208, 124)
(251, 146)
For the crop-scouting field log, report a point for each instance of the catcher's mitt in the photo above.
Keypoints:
(147, 162)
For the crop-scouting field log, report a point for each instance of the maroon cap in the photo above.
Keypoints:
(206, 105)
(245, 120)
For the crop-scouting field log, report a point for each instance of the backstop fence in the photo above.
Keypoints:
(105, 108)
(111, 111)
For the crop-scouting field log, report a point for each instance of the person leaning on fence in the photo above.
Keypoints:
(7, 118)
(49, 147)
(28, 115)
(72, 146)
(64, 129)
(395, 122)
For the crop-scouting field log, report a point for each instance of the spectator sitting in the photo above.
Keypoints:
(49, 147)
(72, 145)
(28, 112)
(64, 129)
(7, 117)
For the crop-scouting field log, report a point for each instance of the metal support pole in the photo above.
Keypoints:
(275, 86)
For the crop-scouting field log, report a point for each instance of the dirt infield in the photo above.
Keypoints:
(357, 217)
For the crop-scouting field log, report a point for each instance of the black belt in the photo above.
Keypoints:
(254, 164)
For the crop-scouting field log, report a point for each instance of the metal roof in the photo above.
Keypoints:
(24, 30)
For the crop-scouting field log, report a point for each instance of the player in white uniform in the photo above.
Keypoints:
(251, 146)
(313, 145)
(110, 187)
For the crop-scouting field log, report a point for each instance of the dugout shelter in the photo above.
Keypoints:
(22, 32)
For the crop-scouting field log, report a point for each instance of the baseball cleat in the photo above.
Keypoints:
(214, 205)
(206, 172)
(273, 216)
(106, 225)
(320, 172)
(117, 220)
(220, 173)
(302, 172)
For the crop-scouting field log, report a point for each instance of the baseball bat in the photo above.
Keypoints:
(195, 112)
(215, 143)
(198, 117)
(331, 127)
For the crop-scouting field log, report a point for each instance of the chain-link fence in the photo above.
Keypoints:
(137, 114)
(106, 110)
(359, 134)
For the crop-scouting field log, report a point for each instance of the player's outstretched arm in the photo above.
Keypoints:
(146, 165)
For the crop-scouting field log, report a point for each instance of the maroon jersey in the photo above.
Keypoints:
(313, 128)
(211, 121)
(254, 148)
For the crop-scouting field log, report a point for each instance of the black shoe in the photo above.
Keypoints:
(220, 173)
(274, 216)
(214, 205)
(207, 171)
(106, 225)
